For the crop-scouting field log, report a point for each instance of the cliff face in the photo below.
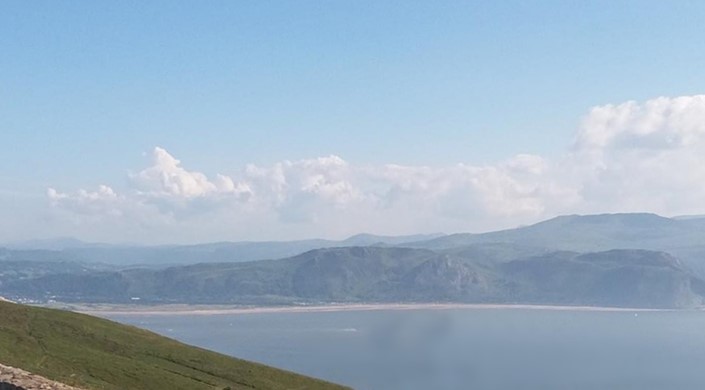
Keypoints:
(15, 379)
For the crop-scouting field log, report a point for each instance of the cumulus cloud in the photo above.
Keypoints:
(662, 123)
(625, 157)
(648, 156)
(166, 178)
(300, 191)
(102, 201)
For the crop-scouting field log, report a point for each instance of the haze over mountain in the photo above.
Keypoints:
(76, 250)
(626, 278)
(590, 232)
(252, 155)
(639, 260)
(58, 243)
(684, 237)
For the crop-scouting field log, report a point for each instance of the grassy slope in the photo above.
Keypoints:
(94, 353)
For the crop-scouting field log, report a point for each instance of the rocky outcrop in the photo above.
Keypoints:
(15, 379)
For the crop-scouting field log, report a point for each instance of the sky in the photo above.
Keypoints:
(181, 122)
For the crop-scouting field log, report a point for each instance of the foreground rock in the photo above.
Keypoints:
(15, 379)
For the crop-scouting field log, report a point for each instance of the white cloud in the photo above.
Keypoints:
(166, 178)
(626, 157)
(634, 157)
(102, 201)
(661, 123)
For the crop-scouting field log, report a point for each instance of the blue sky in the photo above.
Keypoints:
(89, 89)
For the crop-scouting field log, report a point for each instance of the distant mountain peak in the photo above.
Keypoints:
(607, 217)
(57, 243)
(373, 239)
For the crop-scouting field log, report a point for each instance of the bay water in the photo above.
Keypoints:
(505, 348)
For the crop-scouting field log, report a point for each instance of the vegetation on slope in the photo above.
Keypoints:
(94, 353)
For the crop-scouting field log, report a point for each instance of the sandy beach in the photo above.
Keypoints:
(166, 310)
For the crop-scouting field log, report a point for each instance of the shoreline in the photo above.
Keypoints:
(206, 310)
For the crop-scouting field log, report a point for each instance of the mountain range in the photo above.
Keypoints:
(69, 249)
(625, 260)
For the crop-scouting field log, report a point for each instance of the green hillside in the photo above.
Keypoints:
(94, 353)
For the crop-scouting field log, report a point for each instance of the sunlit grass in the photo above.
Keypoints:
(94, 353)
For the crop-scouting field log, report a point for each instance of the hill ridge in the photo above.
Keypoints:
(392, 275)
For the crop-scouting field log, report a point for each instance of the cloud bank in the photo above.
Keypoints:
(626, 157)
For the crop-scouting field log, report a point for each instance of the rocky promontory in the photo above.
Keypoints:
(15, 379)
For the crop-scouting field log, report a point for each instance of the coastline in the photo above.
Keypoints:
(206, 310)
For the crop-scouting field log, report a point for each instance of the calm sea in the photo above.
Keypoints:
(461, 348)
